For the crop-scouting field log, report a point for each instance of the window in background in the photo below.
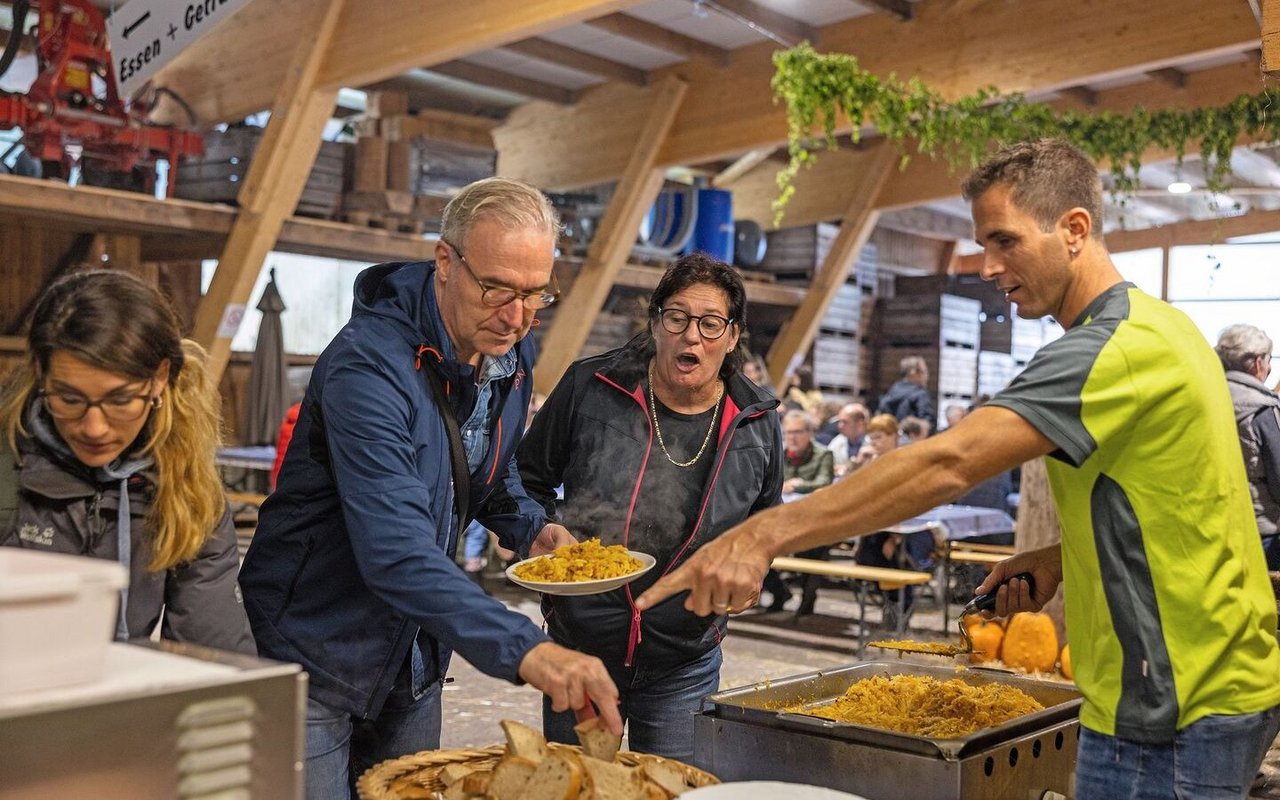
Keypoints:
(1223, 285)
(1143, 268)
(317, 293)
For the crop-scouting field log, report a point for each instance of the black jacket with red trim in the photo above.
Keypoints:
(594, 436)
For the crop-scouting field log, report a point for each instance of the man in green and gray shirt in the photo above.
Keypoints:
(1169, 609)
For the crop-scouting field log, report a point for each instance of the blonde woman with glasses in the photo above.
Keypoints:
(111, 428)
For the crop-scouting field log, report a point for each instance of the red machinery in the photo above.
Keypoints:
(74, 101)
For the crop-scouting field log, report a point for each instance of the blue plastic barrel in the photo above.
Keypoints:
(668, 226)
(713, 233)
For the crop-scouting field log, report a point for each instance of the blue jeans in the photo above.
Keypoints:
(1214, 757)
(340, 747)
(657, 709)
(475, 541)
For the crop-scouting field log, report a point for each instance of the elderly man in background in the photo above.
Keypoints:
(851, 421)
(1245, 352)
(408, 430)
(909, 396)
(1172, 618)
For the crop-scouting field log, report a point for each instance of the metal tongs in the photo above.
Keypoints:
(982, 602)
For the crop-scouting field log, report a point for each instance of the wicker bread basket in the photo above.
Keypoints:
(422, 769)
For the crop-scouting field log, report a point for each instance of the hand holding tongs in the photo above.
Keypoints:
(983, 602)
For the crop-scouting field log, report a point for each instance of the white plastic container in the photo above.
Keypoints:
(57, 614)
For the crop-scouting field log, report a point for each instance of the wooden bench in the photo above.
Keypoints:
(980, 547)
(862, 576)
(984, 555)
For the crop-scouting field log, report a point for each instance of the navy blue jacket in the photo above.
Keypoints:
(353, 554)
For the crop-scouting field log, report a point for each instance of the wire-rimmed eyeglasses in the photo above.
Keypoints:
(711, 326)
(499, 296)
(72, 406)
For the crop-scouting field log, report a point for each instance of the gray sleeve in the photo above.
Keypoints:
(1049, 393)
(202, 598)
(1267, 426)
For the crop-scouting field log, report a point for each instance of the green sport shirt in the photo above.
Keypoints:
(1169, 608)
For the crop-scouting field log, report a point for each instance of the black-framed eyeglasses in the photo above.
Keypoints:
(72, 406)
(711, 326)
(499, 296)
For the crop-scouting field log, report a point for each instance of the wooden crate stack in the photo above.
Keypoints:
(217, 176)
(406, 166)
(839, 345)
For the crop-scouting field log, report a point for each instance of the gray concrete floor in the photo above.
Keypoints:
(760, 645)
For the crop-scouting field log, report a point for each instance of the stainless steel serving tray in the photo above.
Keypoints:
(762, 704)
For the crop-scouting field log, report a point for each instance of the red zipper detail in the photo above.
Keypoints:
(497, 452)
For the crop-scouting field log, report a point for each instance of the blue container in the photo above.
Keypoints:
(713, 233)
(668, 225)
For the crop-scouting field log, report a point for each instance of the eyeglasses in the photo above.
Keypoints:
(498, 296)
(711, 326)
(116, 407)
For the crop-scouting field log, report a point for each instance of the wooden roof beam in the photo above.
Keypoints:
(902, 9)
(1205, 231)
(234, 70)
(507, 82)
(729, 112)
(1172, 77)
(580, 60)
(612, 243)
(1081, 94)
(647, 33)
(777, 26)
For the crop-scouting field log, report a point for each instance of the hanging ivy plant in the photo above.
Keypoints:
(820, 88)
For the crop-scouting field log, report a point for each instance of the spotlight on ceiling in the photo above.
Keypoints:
(1179, 187)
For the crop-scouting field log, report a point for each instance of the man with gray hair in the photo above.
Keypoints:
(1246, 355)
(407, 432)
(910, 397)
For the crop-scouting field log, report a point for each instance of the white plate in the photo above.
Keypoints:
(766, 790)
(574, 588)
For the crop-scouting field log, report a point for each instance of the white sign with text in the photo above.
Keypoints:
(146, 34)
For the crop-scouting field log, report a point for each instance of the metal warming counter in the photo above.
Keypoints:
(743, 734)
(164, 721)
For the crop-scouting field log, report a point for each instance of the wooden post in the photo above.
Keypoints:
(635, 193)
(271, 190)
(855, 228)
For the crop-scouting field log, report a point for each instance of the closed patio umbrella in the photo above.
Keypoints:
(268, 377)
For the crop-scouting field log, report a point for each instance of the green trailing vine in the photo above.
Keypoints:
(820, 88)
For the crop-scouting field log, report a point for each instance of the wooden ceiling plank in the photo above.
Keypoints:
(794, 31)
(822, 192)
(612, 243)
(652, 35)
(580, 60)
(904, 10)
(1207, 231)
(1171, 76)
(235, 69)
(506, 81)
(1081, 94)
(277, 174)
(951, 49)
(1270, 36)
(744, 164)
(856, 225)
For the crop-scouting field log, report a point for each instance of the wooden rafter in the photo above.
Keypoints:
(729, 112)
(824, 192)
(744, 164)
(1207, 231)
(500, 79)
(856, 225)
(271, 189)
(765, 19)
(902, 9)
(612, 243)
(1081, 94)
(580, 60)
(375, 40)
(662, 38)
(1270, 36)
(1172, 76)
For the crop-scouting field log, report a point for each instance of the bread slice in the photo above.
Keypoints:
(510, 777)
(668, 776)
(450, 774)
(524, 741)
(477, 782)
(596, 741)
(559, 776)
(614, 781)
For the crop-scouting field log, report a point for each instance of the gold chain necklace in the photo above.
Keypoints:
(653, 409)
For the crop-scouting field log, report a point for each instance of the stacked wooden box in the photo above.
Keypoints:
(217, 176)
(407, 166)
(839, 345)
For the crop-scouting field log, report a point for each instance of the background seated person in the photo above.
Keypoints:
(913, 430)
(882, 436)
(808, 467)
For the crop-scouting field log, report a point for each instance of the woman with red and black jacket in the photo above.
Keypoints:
(660, 445)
